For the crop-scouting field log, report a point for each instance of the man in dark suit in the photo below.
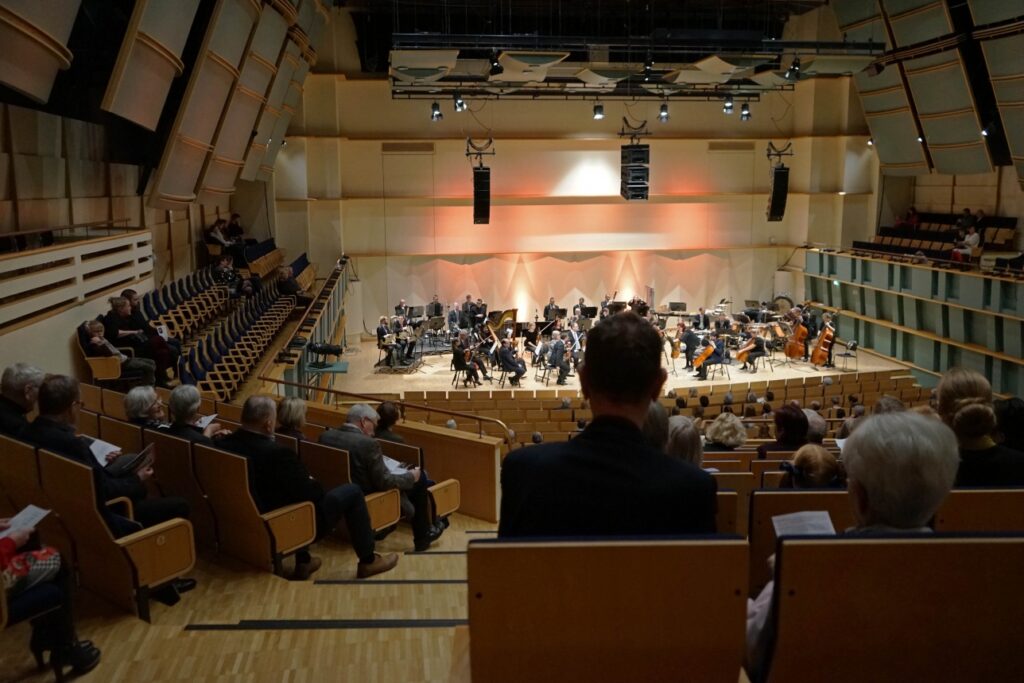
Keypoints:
(508, 361)
(551, 310)
(18, 391)
(606, 481)
(556, 356)
(691, 340)
(701, 321)
(279, 478)
(402, 309)
(54, 430)
(372, 474)
(393, 351)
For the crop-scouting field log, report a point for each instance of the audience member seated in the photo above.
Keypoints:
(235, 232)
(278, 478)
(851, 423)
(910, 219)
(164, 351)
(183, 409)
(37, 583)
(291, 416)
(963, 249)
(372, 473)
(790, 431)
(966, 220)
(508, 361)
(725, 433)
(655, 427)
(813, 467)
(900, 466)
(97, 345)
(224, 273)
(607, 481)
(123, 329)
(817, 427)
(216, 234)
(287, 285)
(965, 404)
(19, 388)
(1010, 422)
(887, 404)
(144, 408)
(389, 414)
(684, 441)
(54, 429)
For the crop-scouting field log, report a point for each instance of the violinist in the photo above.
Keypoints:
(574, 344)
(753, 349)
(530, 340)
(509, 361)
(462, 359)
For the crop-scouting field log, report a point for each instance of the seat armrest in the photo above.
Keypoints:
(292, 527)
(161, 552)
(385, 508)
(447, 496)
(127, 511)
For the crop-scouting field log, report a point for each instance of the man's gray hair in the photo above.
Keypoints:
(184, 404)
(817, 428)
(17, 378)
(138, 401)
(858, 410)
(906, 463)
(359, 411)
(257, 410)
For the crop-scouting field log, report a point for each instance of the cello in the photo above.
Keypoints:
(706, 353)
(796, 343)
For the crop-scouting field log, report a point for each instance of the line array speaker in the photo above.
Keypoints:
(481, 195)
(778, 192)
(635, 173)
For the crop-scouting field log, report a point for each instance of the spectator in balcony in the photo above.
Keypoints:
(962, 250)
(217, 234)
(97, 345)
(235, 232)
(965, 404)
(287, 285)
(164, 351)
(910, 220)
(123, 329)
(19, 389)
(979, 217)
(965, 220)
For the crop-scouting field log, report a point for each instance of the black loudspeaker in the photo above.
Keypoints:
(778, 192)
(635, 172)
(481, 195)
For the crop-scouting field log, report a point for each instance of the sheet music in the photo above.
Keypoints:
(394, 467)
(204, 422)
(807, 523)
(28, 518)
(101, 449)
(162, 331)
(839, 443)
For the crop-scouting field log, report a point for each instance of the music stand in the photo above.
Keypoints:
(562, 312)
(590, 311)
(416, 311)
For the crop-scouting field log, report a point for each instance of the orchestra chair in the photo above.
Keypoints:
(767, 504)
(260, 539)
(330, 467)
(917, 608)
(555, 611)
(716, 368)
(502, 376)
(175, 475)
(764, 363)
(123, 570)
(460, 373)
(850, 353)
(20, 486)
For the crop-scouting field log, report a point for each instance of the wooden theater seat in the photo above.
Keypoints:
(447, 494)
(122, 570)
(727, 505)
(742, 483)
(330, 466)
(919, 608)
(124, 434)
(260, 539)
(175, 476)
(549, 612)
(992, 510)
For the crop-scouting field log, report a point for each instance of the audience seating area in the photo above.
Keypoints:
(185, 305)
(262, 259)
(934, 236)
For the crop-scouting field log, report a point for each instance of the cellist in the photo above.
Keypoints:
(827, 338)
(751, 351)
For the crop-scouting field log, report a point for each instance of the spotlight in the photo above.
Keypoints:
(793, 72)
(598, 112)
(435, 112)
(460, 104)
(745, 112)
(727, 106)
(496, 68)
(648, 69)
(663, 113)
(920, 139)
(984, 132)
(871, 142)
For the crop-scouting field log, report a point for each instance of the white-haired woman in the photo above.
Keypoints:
(144, 407)
(726, 433)
(183, 407)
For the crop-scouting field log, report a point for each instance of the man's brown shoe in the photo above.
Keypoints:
(380, 564)
(306, 569)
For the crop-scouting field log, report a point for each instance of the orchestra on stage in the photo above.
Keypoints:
(485, 343)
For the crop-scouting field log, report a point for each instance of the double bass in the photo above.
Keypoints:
(795, 344)
(821, 347)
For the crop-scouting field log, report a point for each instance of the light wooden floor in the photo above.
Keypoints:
(435, 374)
(230, 592)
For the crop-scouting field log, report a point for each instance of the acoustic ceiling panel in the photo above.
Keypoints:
(947, 113)
(917, 21)
(891, 121)
(149, 60)
(860, 21)
(288, 62)
(243, 108)
(1005, 68)
(202, 109)
(987, 12)
(34, 36)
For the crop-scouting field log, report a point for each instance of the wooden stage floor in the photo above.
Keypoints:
(434, 374)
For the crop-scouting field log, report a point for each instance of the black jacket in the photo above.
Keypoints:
(187, 432)
(996, 466)
(604, 482)
(12, 418)
(276, 475)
